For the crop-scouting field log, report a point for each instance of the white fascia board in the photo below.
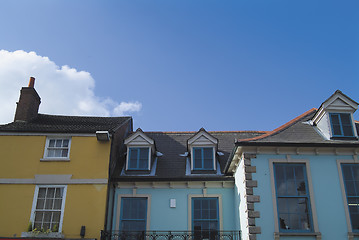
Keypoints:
(200, 134)
(336, 96)
(137, 134)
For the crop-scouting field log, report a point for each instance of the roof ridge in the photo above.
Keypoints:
(286, 125)
(53, 115)
(249, 131)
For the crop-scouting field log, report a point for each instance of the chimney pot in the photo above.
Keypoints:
(32, 82)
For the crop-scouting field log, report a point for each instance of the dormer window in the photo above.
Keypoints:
(140, 152)
(334, 118)
(341, 125)
(202, 148)
(203, 158)
(139, 158)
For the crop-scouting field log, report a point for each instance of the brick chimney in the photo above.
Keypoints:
(29, 102)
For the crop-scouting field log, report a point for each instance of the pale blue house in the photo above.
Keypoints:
(301, 181)
(172, 185)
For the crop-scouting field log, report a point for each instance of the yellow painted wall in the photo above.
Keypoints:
(20, 158)
(15, 208)
(85, 204)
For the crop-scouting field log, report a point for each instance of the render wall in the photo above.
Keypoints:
(21, 170)
(164, 218)
(327, 195)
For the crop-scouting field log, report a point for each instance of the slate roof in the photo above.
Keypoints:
(65, 124)
(171, 166)
(298, 131)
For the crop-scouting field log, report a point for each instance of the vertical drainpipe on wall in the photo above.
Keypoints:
(105, 228)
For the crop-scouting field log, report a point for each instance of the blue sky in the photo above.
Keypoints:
(221, 65)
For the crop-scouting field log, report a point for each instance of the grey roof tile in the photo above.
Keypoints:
(65, 124)
(298, 131)
(171, 144)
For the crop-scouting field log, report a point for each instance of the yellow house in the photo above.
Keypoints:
(54, 171)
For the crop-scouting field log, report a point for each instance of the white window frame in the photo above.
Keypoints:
(46, 158)
(34, 203)
(128, 156)
(203, 146)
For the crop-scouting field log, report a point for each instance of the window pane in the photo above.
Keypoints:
(345, 119)
(58, 143)
(335, 119)
(133, 214)
(347, 130)
(208, 163)
(144, 153)
(64, 153)
(38, 216)
(52, 143)
(197, 158)
(65, 143)
(143, 164)
(58, 153)
(40, 204)
(205, 215)
(50, 193)
(59, 192)
(133, 158)
(56, 217)
(49, 204)
(291, 182)
(51, 153)
(208, 153)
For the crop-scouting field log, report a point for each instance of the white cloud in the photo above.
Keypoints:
(127, 107)
(63, 90)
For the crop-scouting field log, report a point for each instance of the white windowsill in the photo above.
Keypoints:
(42, 235)
(54, 159)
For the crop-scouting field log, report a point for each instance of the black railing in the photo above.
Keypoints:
(170, 235)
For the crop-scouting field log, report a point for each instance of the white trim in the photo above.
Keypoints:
(47, 134)
(135, 135)
(211, 139)
(133, 195)
(34, 202)
(310, 188)
(52, 179)
(177, 185)
(48, 138)
(205, 195)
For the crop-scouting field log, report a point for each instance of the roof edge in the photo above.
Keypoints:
(286, 125)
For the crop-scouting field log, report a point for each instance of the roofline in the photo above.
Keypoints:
(286, 125)
(297, 144)
(177, 179)
(206, 131)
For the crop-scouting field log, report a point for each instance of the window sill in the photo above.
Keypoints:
(42, 235)
(317, 235)
(343, 138)
(54, 159)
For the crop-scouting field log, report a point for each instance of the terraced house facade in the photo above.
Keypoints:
(54, 171)
(94, 177)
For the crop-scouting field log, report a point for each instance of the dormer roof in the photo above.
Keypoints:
(139, 138)
(338, 102)
(202, 137)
